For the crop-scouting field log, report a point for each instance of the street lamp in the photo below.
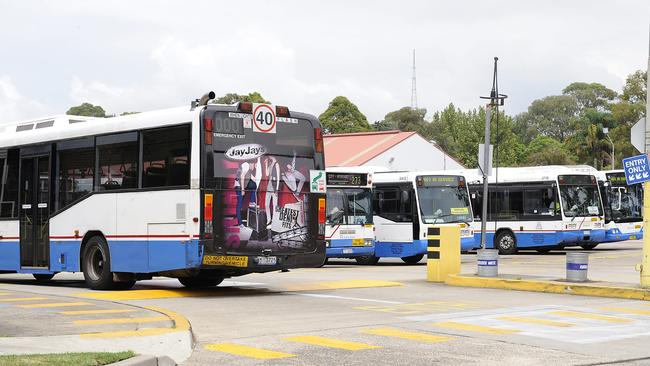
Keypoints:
(606, 132)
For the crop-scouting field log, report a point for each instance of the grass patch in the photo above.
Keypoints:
(65, 359)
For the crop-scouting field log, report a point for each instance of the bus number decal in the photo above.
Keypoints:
(263, 118)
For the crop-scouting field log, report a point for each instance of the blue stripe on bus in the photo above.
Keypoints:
(400, 249)
(545, 239)
(615, 235)
(9, 255)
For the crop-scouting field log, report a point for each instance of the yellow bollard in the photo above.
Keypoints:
(645, 260)
(443, 252)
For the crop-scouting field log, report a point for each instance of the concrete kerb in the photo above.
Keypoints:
(522, 283)
(146, 360)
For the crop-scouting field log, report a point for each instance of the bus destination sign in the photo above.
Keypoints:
(576, 180)
(346, 179)
(616, 179)
(439, 181)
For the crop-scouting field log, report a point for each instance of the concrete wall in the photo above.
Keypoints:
(413, 154)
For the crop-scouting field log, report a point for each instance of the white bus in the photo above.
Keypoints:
(539, 208)
(623, 206)
(407, 204)
(199, 193)
(349, 232)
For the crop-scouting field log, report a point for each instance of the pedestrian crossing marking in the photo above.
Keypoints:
(120, 320)
(422, 307)
(550, 323)
(414, 336)
(54, 305)
(578, 314)
(626, 310)
(106, 311)
(331, 343)
(475, 328)
(245, 351)
(14, 299)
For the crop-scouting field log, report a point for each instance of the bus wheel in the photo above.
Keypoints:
(589, 246)
(413, 259)
(96, 264)
(324, 262)
(506, 243)
(200, 281)
(43, 276)
(367, 260)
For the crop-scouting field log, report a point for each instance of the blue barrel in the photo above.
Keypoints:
(487, 261)
(577, 264)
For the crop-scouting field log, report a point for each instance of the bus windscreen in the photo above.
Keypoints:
(443, 199)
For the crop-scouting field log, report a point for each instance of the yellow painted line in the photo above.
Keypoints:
(180, 324)
(150, 319)
(475, 328)
(23, 299)
(414, 336)
(556, 287)
(4, 293)
(578, 314)
(54, 305)
(245, 351)
(626, 310)
(521, 319)
(107, 311)
(339, 285)
(331, 343)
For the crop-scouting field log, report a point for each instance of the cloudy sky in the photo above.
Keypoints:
(143, 55)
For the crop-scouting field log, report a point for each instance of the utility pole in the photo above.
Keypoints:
(645, 260)
(414, 91)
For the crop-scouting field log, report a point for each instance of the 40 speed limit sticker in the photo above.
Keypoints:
(264, 118)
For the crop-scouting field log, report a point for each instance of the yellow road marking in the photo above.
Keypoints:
(414, 336)
(121, 320)
(173, 293)
(129, 333)
(521, 319)
(416, 308)
(578, 314)
(108, 311)
(331, 343)
(54, 305)
(23, 299)
(475, 328)
(626, 310)
(245, 351)
(4, 293)
(180, 324)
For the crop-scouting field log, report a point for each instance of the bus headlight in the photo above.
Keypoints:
(327, 243)
(367, 242)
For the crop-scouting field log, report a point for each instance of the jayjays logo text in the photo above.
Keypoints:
(245, 152)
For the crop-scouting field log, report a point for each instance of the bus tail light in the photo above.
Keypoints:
(246, 107)
(318, 139)
(207, 124)
(281, 111)
(321, 218)
(207, 215)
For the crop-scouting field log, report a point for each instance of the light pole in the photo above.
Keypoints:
(606, 132)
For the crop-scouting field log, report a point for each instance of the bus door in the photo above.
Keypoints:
(34, 211)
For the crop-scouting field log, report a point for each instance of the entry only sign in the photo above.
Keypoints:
(637, 169)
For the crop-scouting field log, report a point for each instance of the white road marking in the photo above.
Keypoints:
(350, 298)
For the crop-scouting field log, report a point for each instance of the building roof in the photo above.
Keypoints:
(354, 149)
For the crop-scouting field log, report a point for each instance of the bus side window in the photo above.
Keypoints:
(477, 203)
(9, 184)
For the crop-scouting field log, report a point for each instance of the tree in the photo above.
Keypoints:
(545, 150)
(87, 109)
(232, 98)
(590, 95)
(128, 113)
(343, 116)
(407, 119)
(634, 90)
(555, 116)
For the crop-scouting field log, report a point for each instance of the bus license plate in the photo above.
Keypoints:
(357, 242)
(267, 261)
(632, 237)
(347, 251)
(226, 260)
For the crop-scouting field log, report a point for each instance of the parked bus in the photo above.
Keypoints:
(623, 206)
(199, 193)
(407, 204)
(349, 232)
(540, 208)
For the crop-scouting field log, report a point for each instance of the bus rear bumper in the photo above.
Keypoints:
(349, 252)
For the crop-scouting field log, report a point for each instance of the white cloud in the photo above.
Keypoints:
(15, 106)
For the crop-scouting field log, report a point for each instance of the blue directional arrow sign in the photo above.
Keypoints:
(637, 169)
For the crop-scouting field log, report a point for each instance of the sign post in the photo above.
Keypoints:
(645, 261)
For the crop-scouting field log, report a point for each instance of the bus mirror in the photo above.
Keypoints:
(206, 97)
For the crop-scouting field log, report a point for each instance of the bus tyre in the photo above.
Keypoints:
(200, 281)
(324, 262)
(413, 259)
(367, 260)
(589, 246)
(43, 276)
(96, 264)
(506, 243)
